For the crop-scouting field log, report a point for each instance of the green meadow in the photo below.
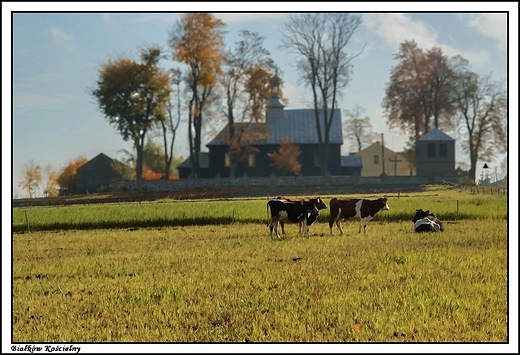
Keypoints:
(207, 271)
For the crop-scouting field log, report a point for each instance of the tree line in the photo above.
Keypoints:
(209, 82)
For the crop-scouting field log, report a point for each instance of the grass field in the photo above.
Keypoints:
(127, 273)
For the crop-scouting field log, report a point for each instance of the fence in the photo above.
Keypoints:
(276, 181)
(490, 190)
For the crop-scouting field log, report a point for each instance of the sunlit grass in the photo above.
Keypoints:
(230, 282)
(448, 204)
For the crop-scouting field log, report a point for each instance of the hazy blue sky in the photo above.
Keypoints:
(56, 58)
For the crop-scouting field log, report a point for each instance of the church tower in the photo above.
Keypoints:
(275, 108)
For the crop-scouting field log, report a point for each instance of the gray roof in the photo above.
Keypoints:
(436, 135)
(100, 156)
(300, 126)
(252, 129)
(351, 161)
(203, 161)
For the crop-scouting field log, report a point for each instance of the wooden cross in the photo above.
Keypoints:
(395, 164)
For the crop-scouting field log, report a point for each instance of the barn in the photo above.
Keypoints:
(101, 171)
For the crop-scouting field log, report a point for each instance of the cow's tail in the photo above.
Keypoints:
(267, 214)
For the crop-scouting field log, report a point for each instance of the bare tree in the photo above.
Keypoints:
(482, 106)
(32, 178)
(320, 39)
(171, 124)
(246, 86)
(358, 129)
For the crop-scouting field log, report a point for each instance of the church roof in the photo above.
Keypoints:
(298, 124)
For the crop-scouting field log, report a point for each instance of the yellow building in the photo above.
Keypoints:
(375, 160)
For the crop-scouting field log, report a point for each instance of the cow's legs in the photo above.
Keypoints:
(363, 223)
(300, 227)
(276, 229)
(338, 219)
(304, 228)
(283, 229)
(338, 224)
(271, 227)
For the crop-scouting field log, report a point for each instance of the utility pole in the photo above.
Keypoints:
(383, 151)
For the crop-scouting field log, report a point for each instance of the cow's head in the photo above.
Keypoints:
(420, 214)
(383, 206)
(318, 202)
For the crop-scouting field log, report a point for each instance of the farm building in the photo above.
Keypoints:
(377, 159)
(436, 154)
(100, 171)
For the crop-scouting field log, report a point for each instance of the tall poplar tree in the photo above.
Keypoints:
(197, 41)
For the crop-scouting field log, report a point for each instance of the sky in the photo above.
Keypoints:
(56, 50)
(56, 59)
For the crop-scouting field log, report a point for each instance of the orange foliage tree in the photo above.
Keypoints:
(52, 188)
(197, 40)
(286, 158)
(66, 179)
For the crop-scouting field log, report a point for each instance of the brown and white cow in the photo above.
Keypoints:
(342, 209)
(317, 201)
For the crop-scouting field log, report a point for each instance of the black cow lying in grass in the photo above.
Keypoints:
(426, 221)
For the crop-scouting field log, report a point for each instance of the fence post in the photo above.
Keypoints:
(457, 216)
(27, 222)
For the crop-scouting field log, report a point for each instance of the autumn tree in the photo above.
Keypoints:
(197, 41)
(482, 115)
(419, 96)
(320, 39)
(66, 178)
(52, 187)
(358, 129)
(32, 177)
(286, 158)
(153, 159)
(133, 97)
(245, 84)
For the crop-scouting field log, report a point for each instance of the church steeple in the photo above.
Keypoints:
(275, 108)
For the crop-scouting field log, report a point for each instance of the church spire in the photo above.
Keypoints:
(275, 108)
